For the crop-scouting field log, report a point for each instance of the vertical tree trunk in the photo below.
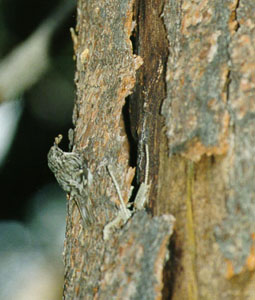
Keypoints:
(178, 77)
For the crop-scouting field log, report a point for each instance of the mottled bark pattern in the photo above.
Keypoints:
(209, 117)
(237, 232)
(197, 69)
(134, 259)
(106, 75)
(197, 77)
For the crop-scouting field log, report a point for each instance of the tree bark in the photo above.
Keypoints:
(178, 77)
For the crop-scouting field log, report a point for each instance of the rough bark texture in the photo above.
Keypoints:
(209, 175)
(197, 71)
(106, 74)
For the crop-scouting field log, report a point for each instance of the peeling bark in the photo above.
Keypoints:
(106, 75)
(177, 76)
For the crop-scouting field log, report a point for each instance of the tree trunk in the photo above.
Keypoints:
(178, 77)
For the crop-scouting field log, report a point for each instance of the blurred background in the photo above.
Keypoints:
(36, 101)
